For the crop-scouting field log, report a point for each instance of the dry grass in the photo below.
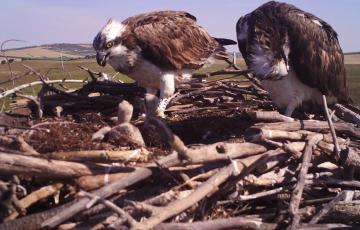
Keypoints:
(38, 52)
(352, 59)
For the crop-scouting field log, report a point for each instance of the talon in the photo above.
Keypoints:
(160, 113)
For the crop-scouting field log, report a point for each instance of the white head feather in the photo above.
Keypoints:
(112, 29)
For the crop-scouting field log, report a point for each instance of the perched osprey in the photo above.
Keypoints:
(157, 49)
(295, 54)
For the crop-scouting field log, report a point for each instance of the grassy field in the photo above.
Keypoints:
(353, 77)
(71, 71)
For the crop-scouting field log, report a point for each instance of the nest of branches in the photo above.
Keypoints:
(222, 159)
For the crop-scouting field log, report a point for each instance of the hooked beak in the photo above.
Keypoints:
(102, 58)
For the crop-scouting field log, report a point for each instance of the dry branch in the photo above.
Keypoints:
(269, 116)
(132, 178)
(101, 155)
(332, 129)
(110, 205)
(297, 193)
(6, 57)
(36, 196)
(347, 114)
(215, 171)
(220, 72)
(94, 182)
(36, 101)
(24, 86)
(18, 76)
(344, 212)
(159, 214)
(312, 125)
(327, 208)
(223, 151)
(228, 223)
(11, 164)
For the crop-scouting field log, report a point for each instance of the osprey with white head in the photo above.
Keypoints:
(157, 49)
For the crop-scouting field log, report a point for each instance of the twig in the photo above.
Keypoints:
(167, 173)
(297, 192)
(23, 86)
(62, 63)
(16, 77)
(14, 164)
(36, 196)
(311, 125)
(91, 73)
(6, 57)
(100, 155)
(253, 80)
(112, 206)
(256, 195)
(347, 114)
(334, 182)
(132, 178)
(3, 105)
(159, 214)
(269, 116)
(39, 111)
(25, 147)
(199, 176)
(226, 223)
(332, 129)
(220, 72)
(327, 208)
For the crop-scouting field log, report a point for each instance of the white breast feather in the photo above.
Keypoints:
(290, 88)
(148, 74)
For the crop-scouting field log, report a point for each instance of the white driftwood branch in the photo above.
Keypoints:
(23, 86)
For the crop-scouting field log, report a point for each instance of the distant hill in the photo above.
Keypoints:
(352, 53)
(53, 51)
(75, 51)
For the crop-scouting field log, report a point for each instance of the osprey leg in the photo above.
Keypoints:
(167, 89)
(291, 107)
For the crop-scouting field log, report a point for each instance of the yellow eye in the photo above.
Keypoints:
(109, 45)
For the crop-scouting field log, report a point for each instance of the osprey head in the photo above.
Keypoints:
(105, 43)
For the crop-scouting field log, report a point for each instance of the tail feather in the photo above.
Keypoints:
(225, 41)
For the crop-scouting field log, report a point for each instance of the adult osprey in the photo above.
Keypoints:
(157, 49)
(295, 54)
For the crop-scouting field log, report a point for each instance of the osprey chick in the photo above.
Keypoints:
(157, 49)
(295, 54)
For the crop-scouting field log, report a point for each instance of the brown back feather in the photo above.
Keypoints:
(171, 39)
(315, 53)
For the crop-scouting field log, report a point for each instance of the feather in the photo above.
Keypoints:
(171, 40)
(279, 34)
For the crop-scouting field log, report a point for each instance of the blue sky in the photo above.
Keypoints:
(41, 21)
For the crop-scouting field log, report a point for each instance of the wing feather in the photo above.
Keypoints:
(172, 39)
(316, 46)
(314, 50)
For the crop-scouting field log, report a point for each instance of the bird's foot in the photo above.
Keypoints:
(163, 103)
(160, 113)
(160, 110)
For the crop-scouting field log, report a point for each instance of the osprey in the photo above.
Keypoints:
(157, 49)
(295, 55)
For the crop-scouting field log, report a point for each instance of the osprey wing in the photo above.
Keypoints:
(172, 39)
(315, 53)
(281, 33)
